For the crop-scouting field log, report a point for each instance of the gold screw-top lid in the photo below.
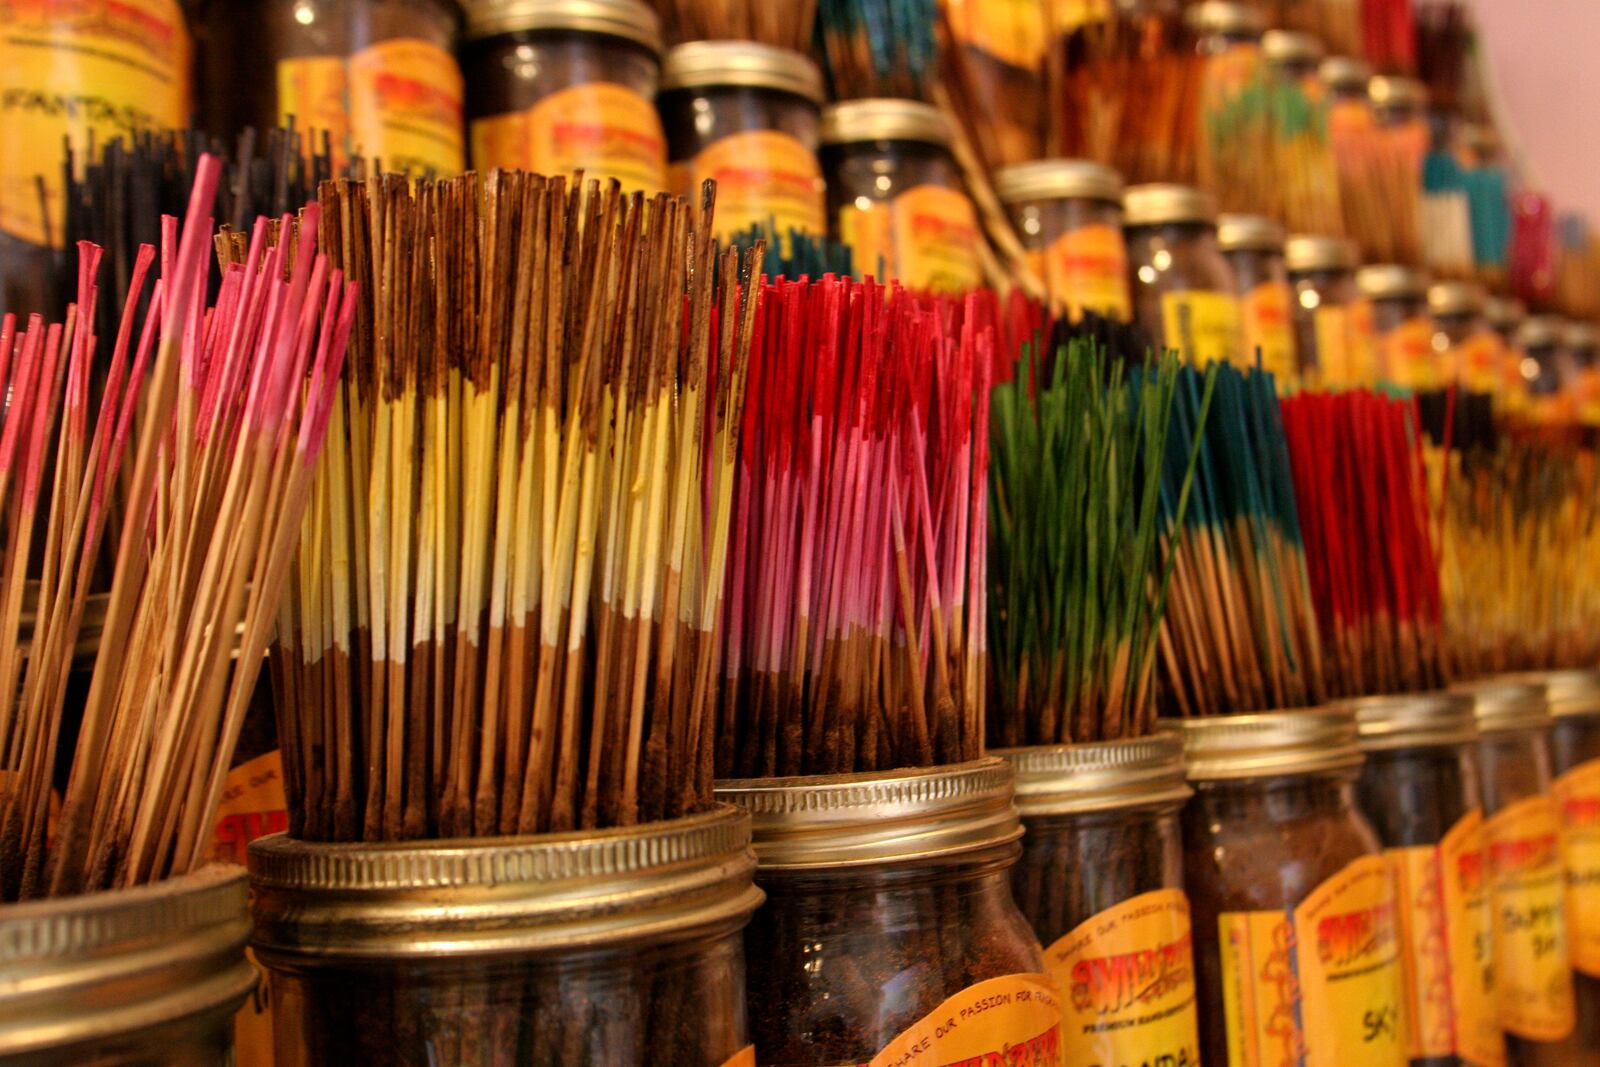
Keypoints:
(1315, 251)
(1506, 703)
(1387, 90)
(1058, 179)
(1344, 74)
(1249, 233)
(1580, 335)
(1161, 203)
(1103, 776)
(884, 119)
(1413, 719)
(1540, 331)
(1264, 744)
(1569, 692)
(1287, 46)
(628, 19)
(1455, 298)
(702, 64)
(1504, 313)
(854, 820)
(1224, 17)
(1390, 281)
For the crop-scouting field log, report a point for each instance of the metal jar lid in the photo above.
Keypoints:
(82, 969)
(1570, 692)
(627, 19)
(1058, 179)
(1315, 251)
(1103, 776)
(884, 119)
(1409, 720)
(1249, 233)
(1344, 74)
(1224, 17)
(1162, 203)
(1387, 90)
(745, 64)
(1540, 331)
(854, 820)
(1504, 313)
(1390, 281)
(1581, 335)
(1455, 298)
(1506, 703)
(1287, 46)
(1267, 744)
(628, 885)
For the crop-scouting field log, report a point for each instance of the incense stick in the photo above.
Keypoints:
(787, 24)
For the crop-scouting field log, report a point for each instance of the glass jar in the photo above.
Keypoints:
(895, 195)
(1420, 788)
(610, 948)
(745, 115)
(1504, 315)
(1183, 288)
(1583, 345)
(378, 76)
(1527, 890)
(1101, 880)
(1469, 349)
(888, 914)
(1322, 274)
(1232, 127)
(142, 977)
(77, 74)
(1253, 246)
(1296, 946)
(557, 86)
(1068, 213)
(1394, 313)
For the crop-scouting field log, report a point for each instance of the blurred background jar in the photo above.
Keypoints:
(1068, 213)
(1184, 290)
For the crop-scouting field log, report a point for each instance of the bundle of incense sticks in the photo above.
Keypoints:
(1307, 199)
(1445, 39)
(794, 253)
(855, 608)
(1077, 571)
(1240, 632)
(232, 403)
(992, 67)
(1389, 35)
(871, 48)
(1235, 133)
(1380, 181)
(503, 610)
(1521, 556)
(786, 24)
(1363, 502)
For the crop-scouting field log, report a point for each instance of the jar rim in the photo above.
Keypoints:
(884, 119)
(814, 822)
(1317, 251)
(629, 20)
(1404, 720)
(1567, 692)
(1058, 179)
(1505, 702)
(741, 64)
(1098, 776)
(1162, 203)
(1267, 744)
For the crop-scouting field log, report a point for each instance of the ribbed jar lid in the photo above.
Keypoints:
(1249, 233)
(1581, 335)
(1344, 73)
(1506, 703)
(504, 895)
(1391, 281)
(884, 119)
(1569, 692)
(1315, 251)
(1270, 743)
(1101, 776)
(1058, 179)
(1289, 46)
(1504, 313)
(744, 64)
(1225, 17)
(853, 820)
(1162, 203)
(1413, 719)
(1385, 90)
(1540, 331)
(627, 19)
(1455, 298)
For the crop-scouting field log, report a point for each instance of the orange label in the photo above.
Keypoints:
(1330, 325)
(397, 102)
(1203, 327)
(1014, 1020)
(80, 71)
(1578, 794)
(925, 238)
(1533, 975)
(1445, 936)
(1319, 985)
(1408, 358)
(1477, 361)
(764, 178)
(1366, 358)
(1012, 31)
(745, 1057)
(1086, 269)
(602, 129)
(1269, 329)
(1127, 976)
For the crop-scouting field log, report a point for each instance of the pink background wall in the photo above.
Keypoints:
(1544, 60)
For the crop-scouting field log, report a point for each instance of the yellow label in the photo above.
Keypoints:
(1014, 1020)
(1408, 357)
(1578, 794)
(1366, 357)
(1445, 937)
(1127, 979)
(1318, 986)
(763, 178)
(1012, 31)
(603, 129)
(925, 238)
(1533, 975)
(1330, 325)
(1477, 361)
(1086, 269)
(80, 71)
(745, 1057)
(1269, 328)
(1203, 327)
